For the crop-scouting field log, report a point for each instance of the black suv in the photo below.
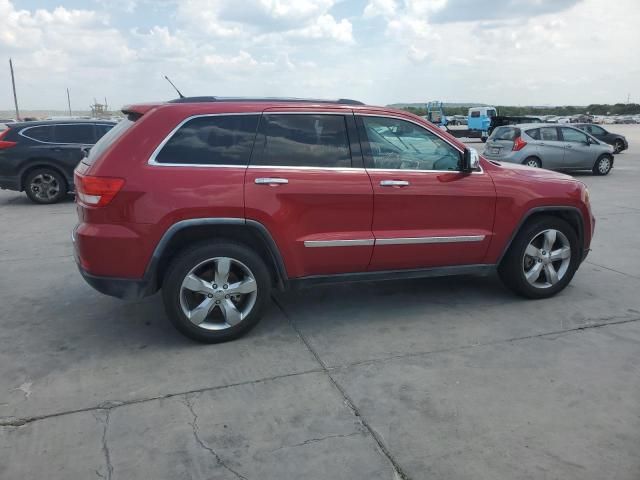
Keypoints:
(39, 157)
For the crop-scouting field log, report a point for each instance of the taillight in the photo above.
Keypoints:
(6, 143)
(96, 191)
(518, 144)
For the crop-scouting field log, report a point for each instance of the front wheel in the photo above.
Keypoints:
(618, 146)
(542, 259)
(603, 165)
(216, 291)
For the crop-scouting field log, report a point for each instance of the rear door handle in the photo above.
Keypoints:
(569, 146)
(394, 183)
(542, 144)
(271, 181)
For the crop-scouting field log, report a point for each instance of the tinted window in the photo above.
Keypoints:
(43, 133)
(101, 129)
(305, 140)
(107, 140)
(549, 133)
(506, 133)
(491, 113)
(401, 145)
(475, 113)
(81, 133)
(571, 135)
(535, 133)
(596, 130)
(216, 140)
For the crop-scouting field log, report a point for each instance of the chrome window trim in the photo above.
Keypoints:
(21, 132)
(286, 167)
(393, 241)
(398, 117)
(339, 243)
(156, 151)
(418, 240)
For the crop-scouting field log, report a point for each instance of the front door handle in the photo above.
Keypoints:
(394, 183)
(271, 181)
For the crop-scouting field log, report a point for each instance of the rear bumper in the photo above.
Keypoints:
(125, 288)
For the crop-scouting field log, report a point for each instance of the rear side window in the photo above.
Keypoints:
(212, 140)
(506, 133)
(305, 140)
(101, 129)
(549, 133)
(80, 133)
(43, 133)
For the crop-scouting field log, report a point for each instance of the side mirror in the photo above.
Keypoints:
(470, 160)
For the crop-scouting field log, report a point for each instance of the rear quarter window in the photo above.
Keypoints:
(211, 140)
(41, 133)
(534, 133)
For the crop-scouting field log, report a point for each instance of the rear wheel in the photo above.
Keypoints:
(542, 259)
(603, 165)
(532, 162)
(44, 186)
(216, 291)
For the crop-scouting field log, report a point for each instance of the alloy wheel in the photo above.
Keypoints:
(604, 165)
(218, 293)
(532, 163)
(45, 187)
(546, 259)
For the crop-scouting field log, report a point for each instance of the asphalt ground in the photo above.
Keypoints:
(451, 378)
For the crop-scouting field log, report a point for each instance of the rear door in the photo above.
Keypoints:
(306, 184)
(578, 151)
(427, 213)
(550, 147)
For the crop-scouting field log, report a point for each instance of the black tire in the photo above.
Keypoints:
(512, 267)
(195, 255)
(603, 165)
(530, 161)
(38, 178)
(618, 146)
(484, 139)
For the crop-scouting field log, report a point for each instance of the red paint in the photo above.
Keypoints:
(317, 204)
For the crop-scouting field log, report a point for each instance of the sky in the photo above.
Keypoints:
(500, 52)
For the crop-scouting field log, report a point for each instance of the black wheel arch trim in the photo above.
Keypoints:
(151, 273)
(535, 210)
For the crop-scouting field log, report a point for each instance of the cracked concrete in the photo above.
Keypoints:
(437, 378)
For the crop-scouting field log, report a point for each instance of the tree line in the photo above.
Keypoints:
(593, 109)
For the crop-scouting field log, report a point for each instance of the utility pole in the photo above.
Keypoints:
(69, 101)
(15, 97)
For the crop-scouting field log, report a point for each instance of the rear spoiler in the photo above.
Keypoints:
(134, 112)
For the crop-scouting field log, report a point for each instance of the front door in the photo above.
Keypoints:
(315, 198)
(426, 212)
(578, 151)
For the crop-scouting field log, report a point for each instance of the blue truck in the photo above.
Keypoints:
(478, 121)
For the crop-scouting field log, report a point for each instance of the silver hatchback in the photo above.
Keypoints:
(556, 147)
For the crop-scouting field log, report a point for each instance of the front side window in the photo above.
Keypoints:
(80, 133)
(401, 145)
(304, 140)
(571, 135)
(491, 113)
(212, 140)
(594, 130)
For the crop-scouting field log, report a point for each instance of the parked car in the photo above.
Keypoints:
(39, 157)
(619, 142)
(550, 146)
(214, 201)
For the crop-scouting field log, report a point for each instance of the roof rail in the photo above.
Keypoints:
(341, 101)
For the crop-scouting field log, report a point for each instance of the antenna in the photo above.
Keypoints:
(176, 88)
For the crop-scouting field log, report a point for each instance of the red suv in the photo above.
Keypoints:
(217, 200)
